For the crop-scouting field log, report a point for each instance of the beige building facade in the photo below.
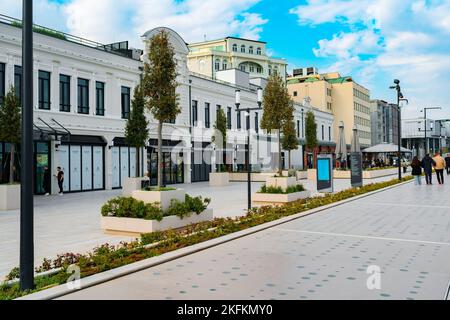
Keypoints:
(348, 101)
(209, 57)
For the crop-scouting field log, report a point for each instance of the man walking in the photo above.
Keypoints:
(60, 178)
(46, 181)
(427, 165)
(439, 166)
(447, 163)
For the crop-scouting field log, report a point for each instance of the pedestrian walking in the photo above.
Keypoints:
(427, 165)
(416, 171)
(60, 178)
(439, 166)
(46, 181)
(447, 163)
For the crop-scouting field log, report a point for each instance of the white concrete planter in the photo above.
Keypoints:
(312, 174)
(302, 175)
(283, 182)
(219, 179)
(277, 199)
(256, 177)
(342, 174)
(134, 226)
(163, 197)
(9, 197)
(131, 184)
(371, 174)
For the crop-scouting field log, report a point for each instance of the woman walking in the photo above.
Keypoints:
(416, 171)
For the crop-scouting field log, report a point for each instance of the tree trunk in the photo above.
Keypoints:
(280, 166)
(11, 163)
(160, 125)
(138, 172)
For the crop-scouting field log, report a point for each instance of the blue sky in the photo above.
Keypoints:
(374, 41)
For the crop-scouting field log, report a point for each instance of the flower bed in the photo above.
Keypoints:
(270, 195)
(108, 257)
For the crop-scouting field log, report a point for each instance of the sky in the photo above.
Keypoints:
(374, 41)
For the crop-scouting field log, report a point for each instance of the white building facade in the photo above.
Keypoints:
(82, 98)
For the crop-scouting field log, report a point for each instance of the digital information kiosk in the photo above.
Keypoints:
(356, 169)
(325, 173)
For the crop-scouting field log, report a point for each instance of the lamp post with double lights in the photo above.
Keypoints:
(247, 111)
(424, 110)
(400, 97)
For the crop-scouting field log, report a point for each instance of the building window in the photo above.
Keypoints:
(64, 93)
(295, 93)
(258, 51)
(83, 96)
(224, 65)
(18, 82)
(252, 68)
(323, 133)
(259, 69)
(194, 112)
(256, 122)
(242, 67)
(250, 49)
(218, 107)
(44, 90)
(217, 65)
(298, 128)
(238, 120)
(235, 47)
(125, 94)
(2, 82)
(329, 133)
(243, 48)
(270, 70)
(207, 115)
(275, 70)
(100, 98)
(229, 117)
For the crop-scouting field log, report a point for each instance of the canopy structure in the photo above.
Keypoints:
(355, 146)
(386, 148)
(341, 146)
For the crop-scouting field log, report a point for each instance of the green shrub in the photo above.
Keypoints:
(292, 173)
(190, 205)
(279, 190)
(128, 207)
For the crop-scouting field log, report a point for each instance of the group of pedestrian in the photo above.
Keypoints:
(427, 164)
(46, 183)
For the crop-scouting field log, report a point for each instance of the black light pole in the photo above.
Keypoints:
(247, 160)
(303, 137)
(399, 123)
(26, 176)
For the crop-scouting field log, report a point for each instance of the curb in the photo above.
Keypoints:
(62, 290)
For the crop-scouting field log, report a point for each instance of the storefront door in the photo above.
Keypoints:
(42, 161)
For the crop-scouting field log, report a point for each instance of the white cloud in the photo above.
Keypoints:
(403, 38)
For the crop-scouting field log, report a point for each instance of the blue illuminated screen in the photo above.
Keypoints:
(323, 169)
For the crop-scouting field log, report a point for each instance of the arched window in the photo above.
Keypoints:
(259, 69)
(250, 49)
(270, 70)
(235, 47)
(224, 64)
(242, 67)
(258, 51)
(252, 68)
(217, 65)
(243, 48)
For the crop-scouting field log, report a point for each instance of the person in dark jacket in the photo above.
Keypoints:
(427, 165)
(447, 163)
(416, 171)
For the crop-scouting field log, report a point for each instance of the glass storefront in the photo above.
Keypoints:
(42, 161)
(123, 162)
(173, 169)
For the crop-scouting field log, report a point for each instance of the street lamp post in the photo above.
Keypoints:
(399, 123)
(26, 185)
(247, 158)
(303, 137)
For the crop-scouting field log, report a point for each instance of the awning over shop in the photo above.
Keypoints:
(386, 148)
(43, 130)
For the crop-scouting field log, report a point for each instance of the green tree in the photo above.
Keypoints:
(311, 131)
(278, 109)
(289, 140)
(10, 118)
(220, 133)
(159, 86)
(136, 130)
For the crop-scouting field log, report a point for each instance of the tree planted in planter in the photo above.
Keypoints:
(289, 140)
(159, 86)
(220, 133)
(278, 109)
(311, 131)
(136, 131)
(10, 118)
